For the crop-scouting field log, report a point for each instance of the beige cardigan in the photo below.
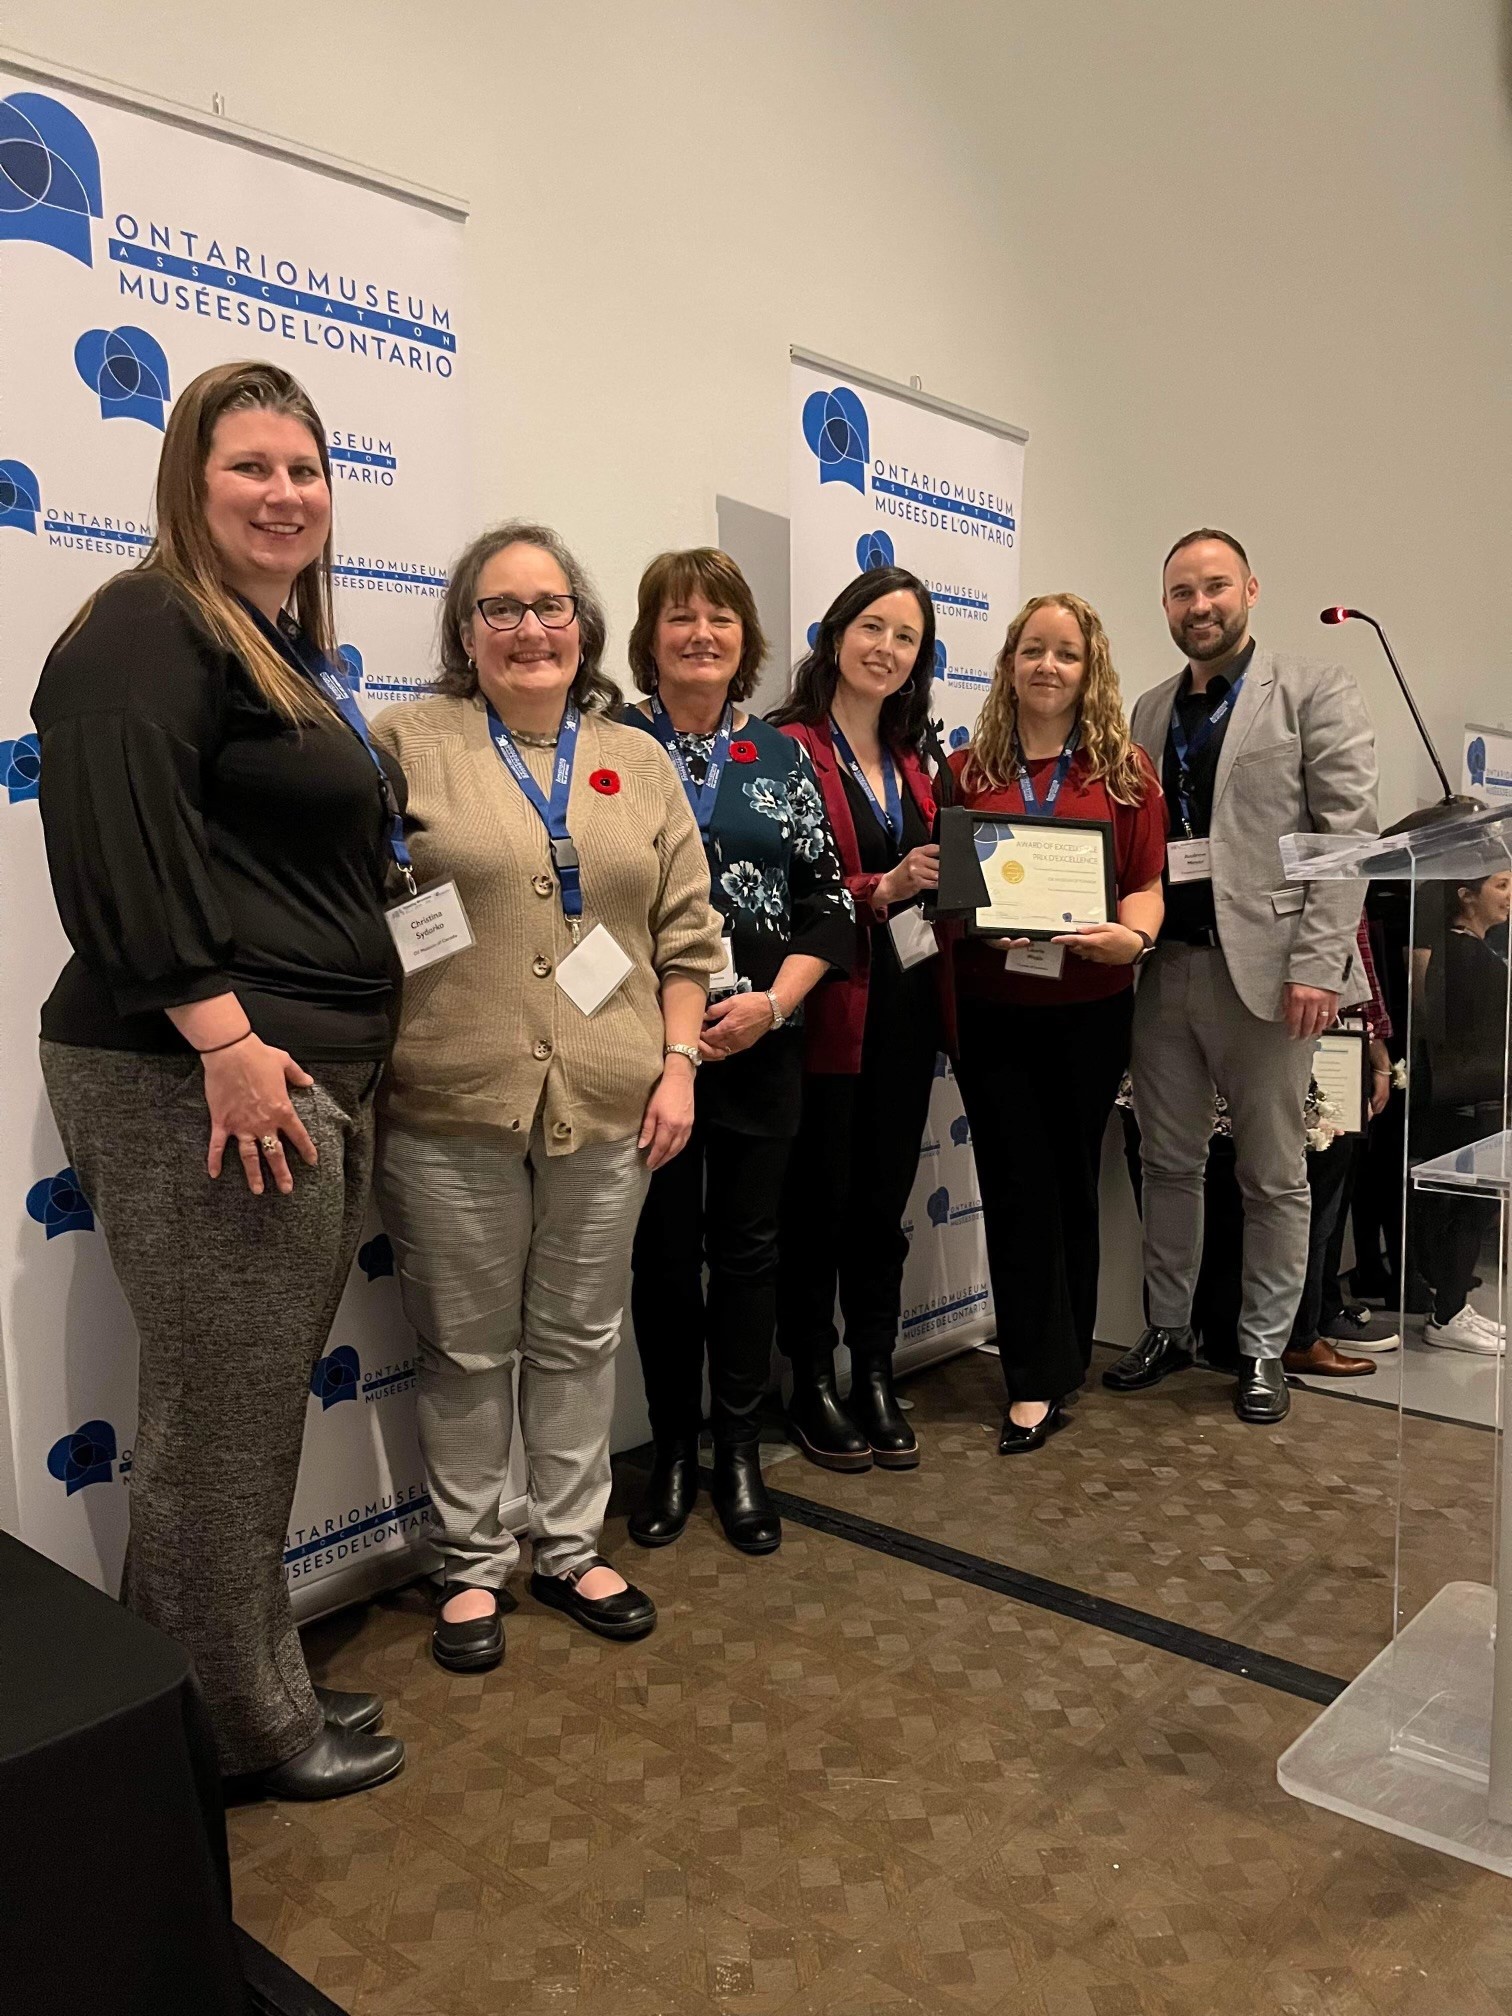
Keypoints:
(487, 1035)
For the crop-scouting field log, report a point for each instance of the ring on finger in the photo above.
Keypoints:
(267, 1143)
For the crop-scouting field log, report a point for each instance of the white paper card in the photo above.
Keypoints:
(592, 970)
(1043, 960)
(1189, 860)
(913, 939)
(726, 980)
(429, 927)
(1339, 1074)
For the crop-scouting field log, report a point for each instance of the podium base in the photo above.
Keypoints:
(1406, 1747)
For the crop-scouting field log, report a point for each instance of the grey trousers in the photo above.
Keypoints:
(509, 1257)
(1192, 1035)
(233, 1297)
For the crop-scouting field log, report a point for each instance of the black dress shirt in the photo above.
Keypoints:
(1189, 914)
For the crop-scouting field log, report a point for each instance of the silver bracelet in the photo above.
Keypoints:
(689, 1050)
(778, 1018)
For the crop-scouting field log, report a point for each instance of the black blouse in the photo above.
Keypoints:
(198, 842)
(894, 996)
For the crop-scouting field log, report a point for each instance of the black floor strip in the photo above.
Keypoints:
(273, 1986)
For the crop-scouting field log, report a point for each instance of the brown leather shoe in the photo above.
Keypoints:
(1327, 1361)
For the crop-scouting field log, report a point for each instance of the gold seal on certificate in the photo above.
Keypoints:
(1044, 876)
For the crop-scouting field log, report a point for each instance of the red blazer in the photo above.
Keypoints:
(835, 1012)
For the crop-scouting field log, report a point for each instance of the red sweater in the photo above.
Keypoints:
(835, 1012)
(1139, 838)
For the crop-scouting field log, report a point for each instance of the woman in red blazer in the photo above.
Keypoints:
(859, 704)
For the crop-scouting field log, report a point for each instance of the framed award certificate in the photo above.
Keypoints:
(1044, 876)
(1339, 1066)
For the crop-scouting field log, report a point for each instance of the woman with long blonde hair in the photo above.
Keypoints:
(1045, 1028)
(219, 833)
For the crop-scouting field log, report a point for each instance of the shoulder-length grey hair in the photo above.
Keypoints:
(593, 689)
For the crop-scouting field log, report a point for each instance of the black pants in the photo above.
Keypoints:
(715, 1203)
(1446, 1233)
(847, 1188)
(1329, 1171)
(1039, 1084)
(1219, 1296)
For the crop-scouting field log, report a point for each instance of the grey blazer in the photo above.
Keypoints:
(1298, 756)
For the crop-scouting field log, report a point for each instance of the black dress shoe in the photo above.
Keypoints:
(820, 1425)
(1156, 1356)
(746, 1513)
(1261, 1395)
(1017, 1441)
(671, 1494)
(873, 1406)
(333, 1765)
(630, 1614)
(475, 1645)
(352, 1714)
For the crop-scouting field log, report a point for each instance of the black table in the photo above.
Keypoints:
(114, 1886)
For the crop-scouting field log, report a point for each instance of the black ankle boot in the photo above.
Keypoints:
(820, 1425)
(873, 1406)
(671, 1493)
(746, 1513)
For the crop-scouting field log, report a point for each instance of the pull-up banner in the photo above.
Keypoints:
(882, 475)
(135, 252)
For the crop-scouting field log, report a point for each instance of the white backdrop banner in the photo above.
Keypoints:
(1487, 766)
(134, 253)
(880, 475)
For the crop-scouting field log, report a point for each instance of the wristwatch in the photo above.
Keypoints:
(688, 1050)
(1147, 949)
(778, 1018)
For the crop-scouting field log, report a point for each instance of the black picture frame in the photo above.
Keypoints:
(1103, 827)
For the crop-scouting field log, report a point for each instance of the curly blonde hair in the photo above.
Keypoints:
(1112, 759)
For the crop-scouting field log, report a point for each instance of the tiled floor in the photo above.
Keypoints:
(835, 1782)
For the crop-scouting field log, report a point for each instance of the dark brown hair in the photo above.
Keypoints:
(1205, 532)
(905, 714)
(672, 578)
(592, 688)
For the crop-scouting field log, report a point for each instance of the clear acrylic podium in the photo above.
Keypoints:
(1421, 1743)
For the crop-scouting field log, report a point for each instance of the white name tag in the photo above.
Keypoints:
(726, 980)
(591, 971)
(913, 940)
(429, 927)
(1189, 860)
(1044, 961)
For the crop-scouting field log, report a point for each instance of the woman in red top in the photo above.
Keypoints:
(859, 704)
(1041, 1057)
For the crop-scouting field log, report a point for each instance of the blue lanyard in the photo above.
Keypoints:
(1062, 771)
(297, 650)
(891, 821)
(1188, 752)
(701, 798)
(553, 816)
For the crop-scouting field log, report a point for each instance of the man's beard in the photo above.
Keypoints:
(1216, 643)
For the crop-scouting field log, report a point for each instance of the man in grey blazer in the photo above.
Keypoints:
(1250, 969)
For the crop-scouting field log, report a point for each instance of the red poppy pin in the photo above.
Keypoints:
(742, 752)
(606, 781)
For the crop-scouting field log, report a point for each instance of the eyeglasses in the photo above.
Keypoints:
(505, 612)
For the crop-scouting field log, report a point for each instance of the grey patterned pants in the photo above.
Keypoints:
(507, 1255)
(234, 1297)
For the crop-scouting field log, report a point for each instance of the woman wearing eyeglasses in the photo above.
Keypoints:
(540, 1075)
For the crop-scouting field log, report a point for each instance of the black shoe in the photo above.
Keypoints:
(333, 1765)
(1157, 1354)
(630, 1614)
(820, 1425)
(475, 1645)
(1017, 1441)
(671, 1493)
(873, 1406)
(1262, 1394)
(746, 1513)
(352, 1714)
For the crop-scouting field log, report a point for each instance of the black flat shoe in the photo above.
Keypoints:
(820, 1425)
(630, 1614)
(746, 1513)
(1261, 1395)
(671, 1493)
(1017, 1441)
(1156, 1356)
(474, 1646)
(873, 1406)
(334, 1765)
(352, 1714)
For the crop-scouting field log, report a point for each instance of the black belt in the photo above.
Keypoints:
(1202, 934)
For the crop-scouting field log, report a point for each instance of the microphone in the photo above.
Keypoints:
(1339, 614)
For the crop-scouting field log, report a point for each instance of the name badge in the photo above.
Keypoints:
(592, 970)
(726, 980)
(1042, 961)
(1189, 860)
(912, 938)
(429, 927)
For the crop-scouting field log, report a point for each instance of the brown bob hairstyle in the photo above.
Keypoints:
(592, 688)
(672, 578)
